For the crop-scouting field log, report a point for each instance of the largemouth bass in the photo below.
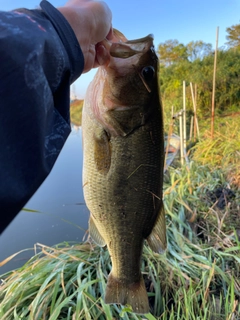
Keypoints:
(123, 144)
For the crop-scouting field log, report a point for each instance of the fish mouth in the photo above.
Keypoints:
(123, 48)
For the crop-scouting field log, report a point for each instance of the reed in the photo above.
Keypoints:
(223, 151)
(197, 278)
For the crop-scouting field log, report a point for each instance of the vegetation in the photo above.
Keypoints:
(199, 275)
(191, 281)
(76, 112)
(194, 63)
(197, 278)
(233, 36)
(222, 152)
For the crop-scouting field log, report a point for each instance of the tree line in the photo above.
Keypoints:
(194, 63)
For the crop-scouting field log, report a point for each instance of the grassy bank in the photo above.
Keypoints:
(76, 112)
(223, 151)
(197, 278)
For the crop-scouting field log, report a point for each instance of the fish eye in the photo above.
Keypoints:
(148, 73)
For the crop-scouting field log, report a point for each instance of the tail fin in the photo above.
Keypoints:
(134, 294)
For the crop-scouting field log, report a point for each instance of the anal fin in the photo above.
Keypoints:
(95, 234)
(157, 239)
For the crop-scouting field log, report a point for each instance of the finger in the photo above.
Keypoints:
(102, 53)
(110, 35)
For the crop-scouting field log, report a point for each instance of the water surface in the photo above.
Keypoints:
(58, 200)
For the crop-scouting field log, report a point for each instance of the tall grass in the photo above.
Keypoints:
(223, 151)
(197, 278)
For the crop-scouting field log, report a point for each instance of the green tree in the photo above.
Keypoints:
(199, 71)
(171, 51)
(227, 80)
(233, 36)
(198, 50)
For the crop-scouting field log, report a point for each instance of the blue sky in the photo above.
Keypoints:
(184, 20)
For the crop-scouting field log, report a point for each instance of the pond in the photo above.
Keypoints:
(62, 214)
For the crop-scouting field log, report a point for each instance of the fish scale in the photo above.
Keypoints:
(123, 167)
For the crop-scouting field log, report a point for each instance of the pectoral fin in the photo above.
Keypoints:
(95, 234)
(157, 239)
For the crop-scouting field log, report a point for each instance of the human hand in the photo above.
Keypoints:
(92, 23)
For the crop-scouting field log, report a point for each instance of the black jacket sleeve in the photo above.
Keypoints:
(39, 59)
